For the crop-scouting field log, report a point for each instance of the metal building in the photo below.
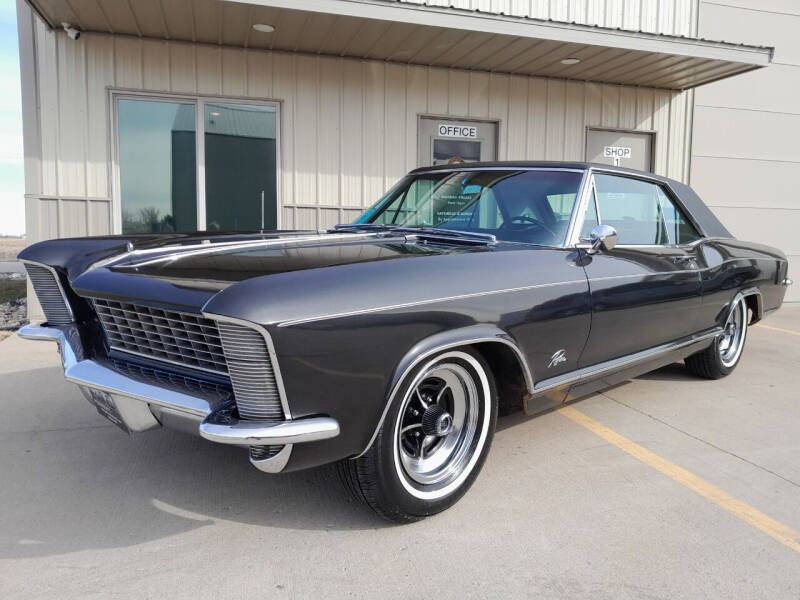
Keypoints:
(215, 114)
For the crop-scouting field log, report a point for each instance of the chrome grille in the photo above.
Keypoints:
(264, 452)
(175, 337)
(48, 291)
(250, 368)
(182, 383)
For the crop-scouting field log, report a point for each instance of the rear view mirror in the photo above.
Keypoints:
(603, 237)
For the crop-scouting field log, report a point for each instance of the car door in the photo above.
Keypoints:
(647, 290)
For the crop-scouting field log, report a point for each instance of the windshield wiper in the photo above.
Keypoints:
(439, 231)
(428, 232)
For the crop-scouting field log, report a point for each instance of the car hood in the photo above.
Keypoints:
(187, 276)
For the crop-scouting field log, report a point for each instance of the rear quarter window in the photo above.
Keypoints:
(641, 212)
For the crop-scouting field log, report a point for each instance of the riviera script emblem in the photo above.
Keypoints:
(557, 358)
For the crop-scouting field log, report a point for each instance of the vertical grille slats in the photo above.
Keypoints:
(49, 294)
(251, 372)
(171, 336)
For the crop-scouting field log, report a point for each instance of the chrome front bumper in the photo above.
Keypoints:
(136, 405)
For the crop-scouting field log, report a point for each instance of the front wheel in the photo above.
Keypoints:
(433, 441)
(721, 358)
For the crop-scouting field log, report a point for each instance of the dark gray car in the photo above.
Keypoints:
(390, 344)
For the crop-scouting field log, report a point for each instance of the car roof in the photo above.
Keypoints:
(539, 164)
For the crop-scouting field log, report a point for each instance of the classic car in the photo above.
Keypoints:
(388, 345)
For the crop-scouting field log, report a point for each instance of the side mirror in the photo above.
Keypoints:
(603, 237)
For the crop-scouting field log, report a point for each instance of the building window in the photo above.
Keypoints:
(157, 176)
(178, 172)
(240, 167)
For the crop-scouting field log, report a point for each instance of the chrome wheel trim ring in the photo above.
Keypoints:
(454, 456)
(731, 341)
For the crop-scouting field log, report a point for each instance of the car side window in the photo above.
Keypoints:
(679, 229)
(641, 212)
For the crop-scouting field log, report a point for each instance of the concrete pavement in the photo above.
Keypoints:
(557, 512)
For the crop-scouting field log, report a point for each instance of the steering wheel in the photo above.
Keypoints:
(526, 220)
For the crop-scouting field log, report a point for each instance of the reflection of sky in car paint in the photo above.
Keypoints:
(12, 180)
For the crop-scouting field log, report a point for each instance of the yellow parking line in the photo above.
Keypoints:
(789, 331)
(776, 530)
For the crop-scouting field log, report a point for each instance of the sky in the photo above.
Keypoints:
(12, 181)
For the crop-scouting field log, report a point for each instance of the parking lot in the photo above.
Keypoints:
(665, 487)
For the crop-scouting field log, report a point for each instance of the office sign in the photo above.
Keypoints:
(459, 131)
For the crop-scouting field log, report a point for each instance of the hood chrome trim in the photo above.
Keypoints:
(173, 252)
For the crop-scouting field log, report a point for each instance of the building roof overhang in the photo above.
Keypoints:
(411, 33)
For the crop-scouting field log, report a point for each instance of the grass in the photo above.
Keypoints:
(12, 289)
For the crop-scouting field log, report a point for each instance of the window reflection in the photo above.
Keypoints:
(157, 166)
(240, 167)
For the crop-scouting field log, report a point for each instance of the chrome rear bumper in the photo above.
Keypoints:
(136, 405)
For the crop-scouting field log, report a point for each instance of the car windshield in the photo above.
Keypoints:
(530, 206)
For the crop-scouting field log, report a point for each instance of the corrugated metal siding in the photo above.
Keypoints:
(674, 17)
(348, 127)
(745, 158)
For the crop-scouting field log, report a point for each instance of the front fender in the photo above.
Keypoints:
(445, 340)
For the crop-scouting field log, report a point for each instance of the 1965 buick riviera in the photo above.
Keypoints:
(389, 344)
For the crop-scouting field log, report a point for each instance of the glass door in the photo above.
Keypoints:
(157, 166)
(240, 167)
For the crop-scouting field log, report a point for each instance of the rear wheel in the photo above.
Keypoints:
(433, 441)
(721, 358)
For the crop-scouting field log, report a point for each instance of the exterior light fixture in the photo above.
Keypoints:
(570, 61)
(264, 28)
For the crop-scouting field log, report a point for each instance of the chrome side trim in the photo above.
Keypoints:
(493, 292)
(579, 210)
(58, 283)
(526, 371)
(622, 362)
(276, 368)
(218, 427)
(423, 302)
